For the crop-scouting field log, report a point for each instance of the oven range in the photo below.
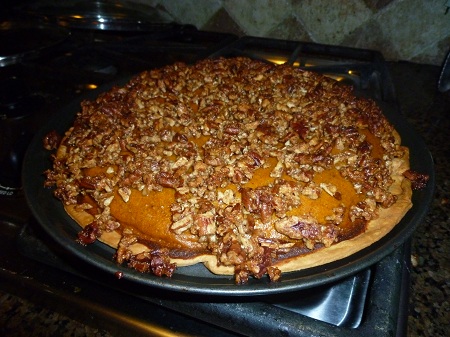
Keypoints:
(38, 83)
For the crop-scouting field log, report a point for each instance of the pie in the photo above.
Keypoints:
(250, 168)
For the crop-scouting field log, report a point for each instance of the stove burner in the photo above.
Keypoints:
(17, 107)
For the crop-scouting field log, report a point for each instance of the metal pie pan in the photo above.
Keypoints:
(197, 279)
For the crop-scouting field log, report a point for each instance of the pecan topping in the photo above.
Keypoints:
(240, 146)
(307, 229)
(158, 262)
(51, 140)
(165, 179)
(418, 180)
(89, 234)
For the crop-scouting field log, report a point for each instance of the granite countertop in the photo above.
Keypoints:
(429, 312)
(428, 111)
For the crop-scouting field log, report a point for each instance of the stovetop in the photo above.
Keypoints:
(39, 85)
(369, 302)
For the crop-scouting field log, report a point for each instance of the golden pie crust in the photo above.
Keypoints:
(247, 167)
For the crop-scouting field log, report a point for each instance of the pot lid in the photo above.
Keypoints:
(104, 15)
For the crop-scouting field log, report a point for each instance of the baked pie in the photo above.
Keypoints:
(250, 168)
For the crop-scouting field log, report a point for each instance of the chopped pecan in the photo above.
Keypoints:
(156, 262)
(89, 234)
(307, 229)
(165, 179)
(418, 180)
(231, 129)
(182, 224)
(51, 140)
(300, 128)
(258, 201)
(257, 160)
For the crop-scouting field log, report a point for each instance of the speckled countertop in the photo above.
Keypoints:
(429, 112)
(429, 311)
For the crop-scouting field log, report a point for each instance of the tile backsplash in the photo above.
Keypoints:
(408, 30)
